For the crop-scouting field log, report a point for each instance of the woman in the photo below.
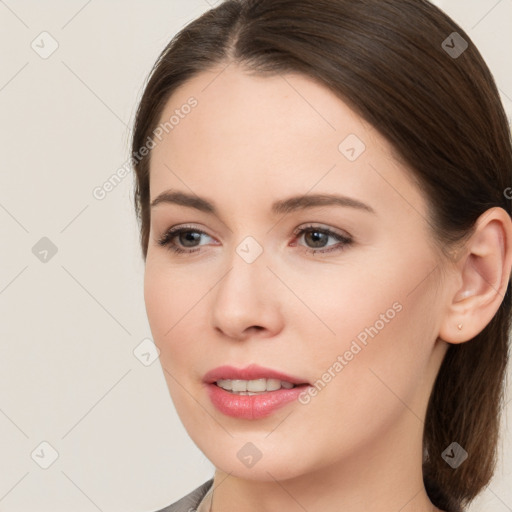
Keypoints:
(324, 194)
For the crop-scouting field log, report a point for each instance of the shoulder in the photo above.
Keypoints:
(190, 501)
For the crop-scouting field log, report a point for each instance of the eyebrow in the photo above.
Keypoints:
(283, 206)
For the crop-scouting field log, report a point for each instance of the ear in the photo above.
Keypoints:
(483, 272)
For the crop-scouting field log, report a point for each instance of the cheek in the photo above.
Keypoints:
(167, 302)
(168, 296)
(173, 301)
(163, 308)
(376, 356)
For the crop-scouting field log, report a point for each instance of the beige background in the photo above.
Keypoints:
(69, 326)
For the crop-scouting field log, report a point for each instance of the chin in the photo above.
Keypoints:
(253, 460)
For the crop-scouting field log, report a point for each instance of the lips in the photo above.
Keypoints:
(251, 372)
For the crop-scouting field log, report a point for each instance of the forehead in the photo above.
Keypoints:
(275, 110)
(254, 135)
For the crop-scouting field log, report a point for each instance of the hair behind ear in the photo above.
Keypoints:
(466, 400)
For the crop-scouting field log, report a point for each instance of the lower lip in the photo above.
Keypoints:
(252, 407)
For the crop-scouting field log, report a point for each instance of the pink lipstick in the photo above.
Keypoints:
(230, 390)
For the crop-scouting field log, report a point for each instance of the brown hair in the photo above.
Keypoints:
(442, 114)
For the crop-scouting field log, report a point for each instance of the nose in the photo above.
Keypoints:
(247, 300)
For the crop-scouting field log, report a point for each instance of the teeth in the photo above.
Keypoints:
(255, 386)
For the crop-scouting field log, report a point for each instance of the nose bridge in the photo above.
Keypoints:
(247, 265)
(243, 298)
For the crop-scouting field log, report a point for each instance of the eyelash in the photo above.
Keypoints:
(167, 239)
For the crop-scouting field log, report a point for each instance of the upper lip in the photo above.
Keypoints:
(250, 372)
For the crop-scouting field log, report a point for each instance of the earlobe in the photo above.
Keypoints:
(484, 270)
(464, 294)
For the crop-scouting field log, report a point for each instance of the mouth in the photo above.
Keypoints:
(253, 392)
(253, 376)
(253, 379)
(255, 386)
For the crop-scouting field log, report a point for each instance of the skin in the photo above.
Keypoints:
(357, 445)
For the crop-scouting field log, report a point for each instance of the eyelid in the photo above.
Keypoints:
(321, 227)
(175, 230)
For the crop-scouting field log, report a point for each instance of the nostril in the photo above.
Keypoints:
(256, 328)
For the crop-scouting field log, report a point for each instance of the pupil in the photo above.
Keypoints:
(318, 235)
(190, 234)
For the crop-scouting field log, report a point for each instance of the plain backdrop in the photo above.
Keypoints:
(86, 423)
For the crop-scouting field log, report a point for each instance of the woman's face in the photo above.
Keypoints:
(359, 319)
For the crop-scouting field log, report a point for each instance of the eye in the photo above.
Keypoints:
(192, 233)
(320, 236)
(313, 234)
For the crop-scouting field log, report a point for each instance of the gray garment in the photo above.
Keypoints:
(190, 502)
